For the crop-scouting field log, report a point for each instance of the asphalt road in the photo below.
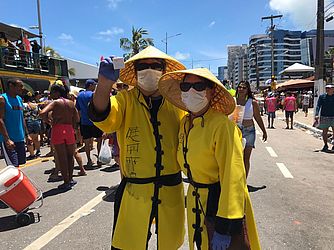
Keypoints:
(295, 209)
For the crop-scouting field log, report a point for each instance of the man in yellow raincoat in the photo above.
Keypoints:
(219, 210)
(147, 127)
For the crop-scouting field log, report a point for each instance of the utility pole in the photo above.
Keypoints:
(165, 41)
(40, 26)
(272, 28)
(319, 59)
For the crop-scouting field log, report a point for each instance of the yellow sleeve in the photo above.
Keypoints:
(115, 118)
(229, 155)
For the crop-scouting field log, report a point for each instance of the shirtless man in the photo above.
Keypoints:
(64, 118)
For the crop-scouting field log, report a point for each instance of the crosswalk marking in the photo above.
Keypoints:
(271, 152)
(58, 229)
(285, 171)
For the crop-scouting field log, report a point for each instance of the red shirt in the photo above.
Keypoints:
(26, 44)
(290, 102)
(271, 104)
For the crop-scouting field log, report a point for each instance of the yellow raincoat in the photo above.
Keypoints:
(130, 118)
(215, 155)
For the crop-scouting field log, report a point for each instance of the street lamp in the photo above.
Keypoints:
(165, 41)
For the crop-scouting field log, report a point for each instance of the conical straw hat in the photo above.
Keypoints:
(169, 86)
(128, 74)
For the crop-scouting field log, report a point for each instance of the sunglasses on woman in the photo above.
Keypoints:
(198, 86)
(242, 87)
(155, 66)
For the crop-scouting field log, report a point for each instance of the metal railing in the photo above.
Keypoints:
(13, 59)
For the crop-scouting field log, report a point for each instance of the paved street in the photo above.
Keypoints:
(295, 210)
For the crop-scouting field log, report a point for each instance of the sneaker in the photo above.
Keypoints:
(38, 153)
(287, 128)
(325, 148)
(65, 186)
(272, 127)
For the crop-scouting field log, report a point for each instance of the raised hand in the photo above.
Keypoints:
(107, 69)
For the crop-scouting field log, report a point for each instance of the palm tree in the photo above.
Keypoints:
(137, 43)
(71, 71)
(49, 51)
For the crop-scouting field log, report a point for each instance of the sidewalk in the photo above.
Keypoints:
(300, 121)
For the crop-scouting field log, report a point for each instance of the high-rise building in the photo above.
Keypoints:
(223, 73)
(235, 54)
(308, 45)
(287, 51)
(289, 47)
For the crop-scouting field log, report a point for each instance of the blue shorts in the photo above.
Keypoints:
(272, 115)
(249, 134)
(34, 127)
(15, 157)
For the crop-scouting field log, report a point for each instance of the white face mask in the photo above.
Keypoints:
(148, 79)
(194, 100)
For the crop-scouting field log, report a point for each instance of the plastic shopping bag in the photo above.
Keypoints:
(105, 153)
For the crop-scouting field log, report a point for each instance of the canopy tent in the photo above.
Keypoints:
(297, 67)
(295, 84)
(14, 33)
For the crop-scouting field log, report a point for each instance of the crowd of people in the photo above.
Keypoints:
(162, 120)
(23, 52)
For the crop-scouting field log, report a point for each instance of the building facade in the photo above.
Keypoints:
(222, 73)
(289, 47)
(237, 63)
(287, 51)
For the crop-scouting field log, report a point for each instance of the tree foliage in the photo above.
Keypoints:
(136, 43)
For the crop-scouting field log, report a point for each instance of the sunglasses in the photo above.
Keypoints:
(155, 66)
(198, 86)
(242, 87)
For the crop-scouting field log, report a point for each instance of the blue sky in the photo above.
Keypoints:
(85, 30)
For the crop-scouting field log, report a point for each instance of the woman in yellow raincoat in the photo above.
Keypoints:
(219, 210)
(146, 126)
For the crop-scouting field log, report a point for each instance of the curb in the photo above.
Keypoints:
(314, 131)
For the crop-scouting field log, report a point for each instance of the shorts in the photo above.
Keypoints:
(289, 114)
(272, 115)
(62, 134)
(34, 127)
(305, 108)
(326, 122)
(15, 157)
(90, 131)
(249, 134)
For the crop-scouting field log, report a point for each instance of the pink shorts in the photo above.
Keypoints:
(62, 134)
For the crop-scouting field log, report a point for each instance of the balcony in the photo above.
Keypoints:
(13, 59)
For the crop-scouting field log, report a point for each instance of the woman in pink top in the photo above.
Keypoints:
(290, 106)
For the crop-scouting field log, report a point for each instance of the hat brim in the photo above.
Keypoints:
(128, 73)
(169, 86)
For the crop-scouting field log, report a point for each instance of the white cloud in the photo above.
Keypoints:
(66, 38)
(112, 4)
(108, 34)
(212, 24)
(113, 31)
(181, 56)
(301, 13)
